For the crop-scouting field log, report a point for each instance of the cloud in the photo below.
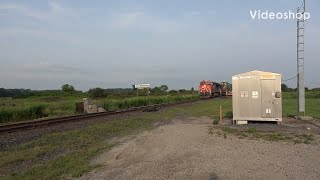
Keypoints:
(55, 11)
(58, 9)
(195, 13)
(22, 10)
(146, 21)
(126, 20)
(39, 69)
(143, 21)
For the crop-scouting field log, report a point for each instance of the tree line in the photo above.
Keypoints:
(285, 88)
(68, 89)
(102, 93)
(127, 92)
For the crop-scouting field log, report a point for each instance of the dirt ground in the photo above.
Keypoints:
(184, 149)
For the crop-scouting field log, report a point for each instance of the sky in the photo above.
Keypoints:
(118, 43)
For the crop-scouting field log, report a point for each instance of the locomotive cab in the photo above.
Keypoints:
(205, 89)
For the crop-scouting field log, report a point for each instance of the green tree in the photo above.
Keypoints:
(182, 91)
(173, 92)
(67, 88)
(284, 88)
(164, 88)
(98, 93)
(192, 89)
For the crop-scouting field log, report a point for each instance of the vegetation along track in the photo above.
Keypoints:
(46, 122)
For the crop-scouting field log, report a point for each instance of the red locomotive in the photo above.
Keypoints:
(208, 89)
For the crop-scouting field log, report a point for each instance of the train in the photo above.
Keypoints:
(210, 89)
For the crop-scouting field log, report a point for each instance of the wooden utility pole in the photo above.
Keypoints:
(220, 115)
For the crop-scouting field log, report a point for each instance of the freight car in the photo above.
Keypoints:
(226, 89)
(208, 89)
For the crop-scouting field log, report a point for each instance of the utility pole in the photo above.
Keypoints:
(300, 60)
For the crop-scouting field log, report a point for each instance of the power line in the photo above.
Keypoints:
(302, 5)
(284, 80)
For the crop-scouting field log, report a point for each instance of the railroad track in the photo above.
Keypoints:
(46, 122)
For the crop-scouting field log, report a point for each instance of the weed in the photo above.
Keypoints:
(243, 135)
(304, 138)
(216, 121)
(225, 135)
(252, 130)
(229, 114)
(219, 133)
(210, 131)
(14, 114)
(228, 130)
(275, 137)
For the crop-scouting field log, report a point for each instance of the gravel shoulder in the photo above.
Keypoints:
(184, 149)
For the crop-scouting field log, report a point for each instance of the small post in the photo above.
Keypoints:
(137, 92)
(220, 115)
(148, 95)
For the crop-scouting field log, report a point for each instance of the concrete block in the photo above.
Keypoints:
(100, 109)
(241, 122)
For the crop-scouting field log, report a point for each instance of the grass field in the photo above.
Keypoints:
(53, 106)
(74, 149)
(312, 107)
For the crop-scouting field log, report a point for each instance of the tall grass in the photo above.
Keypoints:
(308, 94)
(114, 104)
(17, 114)
(37, 107)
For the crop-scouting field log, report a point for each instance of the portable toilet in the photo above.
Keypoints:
(256, 96)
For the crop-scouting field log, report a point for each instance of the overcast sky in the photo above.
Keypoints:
(117, 43)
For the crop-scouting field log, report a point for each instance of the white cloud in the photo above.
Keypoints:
(143, 21)
(39, 68)
(126, 20)
(212, 12)
(195, 13)
(56, 11)
(22, 10)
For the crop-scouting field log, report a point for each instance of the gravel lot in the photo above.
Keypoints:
(185, 150)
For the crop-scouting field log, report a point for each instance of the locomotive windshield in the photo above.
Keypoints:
(206, 82)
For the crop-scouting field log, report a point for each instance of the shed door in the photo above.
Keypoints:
(267, 98)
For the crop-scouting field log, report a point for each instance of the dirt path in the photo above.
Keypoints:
(185, 150)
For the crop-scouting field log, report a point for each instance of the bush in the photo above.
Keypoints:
(67, 88)
(18, 114)
(114, 104)
(229, 114)
(97, 93)
(216, 121)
